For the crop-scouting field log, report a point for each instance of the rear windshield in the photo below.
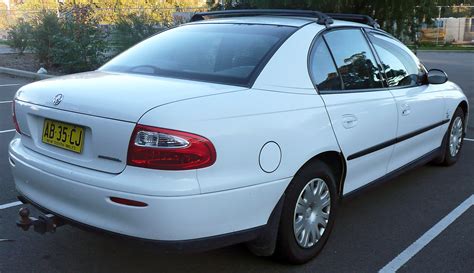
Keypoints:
(222, 53)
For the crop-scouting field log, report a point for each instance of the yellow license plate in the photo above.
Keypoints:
(63, 135)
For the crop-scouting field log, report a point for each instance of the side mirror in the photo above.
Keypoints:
(437, 76)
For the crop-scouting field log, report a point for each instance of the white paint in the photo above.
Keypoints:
(423, 107)
(9, 205)
(7, 131)
(419, 244)
(4, 102)
(469, 139)
(84, 92)
(10, 84)
(372, 110)
(282, 106)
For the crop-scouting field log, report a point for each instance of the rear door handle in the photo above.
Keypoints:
(349, 121)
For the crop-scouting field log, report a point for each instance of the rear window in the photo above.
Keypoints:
(221, 53)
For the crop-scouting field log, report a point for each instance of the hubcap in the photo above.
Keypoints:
(312, 213)
(455, 138)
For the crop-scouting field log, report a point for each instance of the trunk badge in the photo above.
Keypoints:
(57, 99)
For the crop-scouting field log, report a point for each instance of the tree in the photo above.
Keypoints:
(401, 18)
(37, 5)
(3, 16)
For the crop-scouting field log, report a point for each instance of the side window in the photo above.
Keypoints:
(323, 70)
(354, 59)
(400, 67)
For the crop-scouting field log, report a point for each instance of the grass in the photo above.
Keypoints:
(3, 42)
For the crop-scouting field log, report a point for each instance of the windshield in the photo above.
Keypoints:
(222, 53)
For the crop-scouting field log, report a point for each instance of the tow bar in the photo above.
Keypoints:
(42, 224)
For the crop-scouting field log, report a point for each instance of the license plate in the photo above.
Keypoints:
(63, 135)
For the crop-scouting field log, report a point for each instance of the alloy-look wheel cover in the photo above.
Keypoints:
(312, 212)
(455, 137)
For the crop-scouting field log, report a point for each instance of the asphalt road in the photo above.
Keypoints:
(371, 229)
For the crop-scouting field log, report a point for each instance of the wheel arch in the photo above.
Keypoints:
(336, 162)
(464, 106)
(265, 244)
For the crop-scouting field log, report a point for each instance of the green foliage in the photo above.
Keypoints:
(45, 27)
(133, 28)
(19, 36)
(74, 43)
(80, 45)
(401, 18)
(67, 34)
(35, 5)
(110, 11)
(3, 16)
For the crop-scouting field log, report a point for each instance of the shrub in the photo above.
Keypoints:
(132, 29)
(81, 43)
(45, 29)
(74, 43)
(19, 36)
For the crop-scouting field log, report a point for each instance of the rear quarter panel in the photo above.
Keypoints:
(240, 123)
(282, 107)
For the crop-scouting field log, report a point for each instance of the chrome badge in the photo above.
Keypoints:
(57, 99)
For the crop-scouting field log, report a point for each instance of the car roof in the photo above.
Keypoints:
(274, 20)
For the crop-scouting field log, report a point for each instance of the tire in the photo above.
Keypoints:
(456, 128)
(291, 244)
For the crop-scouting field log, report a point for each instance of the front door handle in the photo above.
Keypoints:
(406, 109)
(349, 121)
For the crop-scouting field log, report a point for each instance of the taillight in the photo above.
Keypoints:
(165, 149)
(15, 122)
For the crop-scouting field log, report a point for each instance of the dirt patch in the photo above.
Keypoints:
(27, 62)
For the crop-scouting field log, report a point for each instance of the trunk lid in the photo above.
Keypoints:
(106, 105)
(117, 96)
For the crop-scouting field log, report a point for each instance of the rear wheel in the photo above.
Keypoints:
(308, 214)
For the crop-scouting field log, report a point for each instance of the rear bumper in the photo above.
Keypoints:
(201, 244)
(172, 219)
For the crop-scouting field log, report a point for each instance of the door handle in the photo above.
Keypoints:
(406, 109)
(349, 121)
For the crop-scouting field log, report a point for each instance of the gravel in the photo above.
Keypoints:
(27, 62)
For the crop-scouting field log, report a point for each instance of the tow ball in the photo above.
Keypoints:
(42, 224)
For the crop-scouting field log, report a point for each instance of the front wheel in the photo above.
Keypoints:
(454, 139)
(308, 213)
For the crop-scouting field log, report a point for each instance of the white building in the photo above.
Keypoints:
(458, 30)
(7, 2)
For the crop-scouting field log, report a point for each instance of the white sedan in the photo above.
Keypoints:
(249, 127)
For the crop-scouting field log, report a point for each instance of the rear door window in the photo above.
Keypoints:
(354, 59)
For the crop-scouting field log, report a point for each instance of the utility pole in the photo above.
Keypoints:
(7, 3)
(437, 24)
(58, 7)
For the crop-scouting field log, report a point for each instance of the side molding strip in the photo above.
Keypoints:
(395, 140)
(412, 165)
